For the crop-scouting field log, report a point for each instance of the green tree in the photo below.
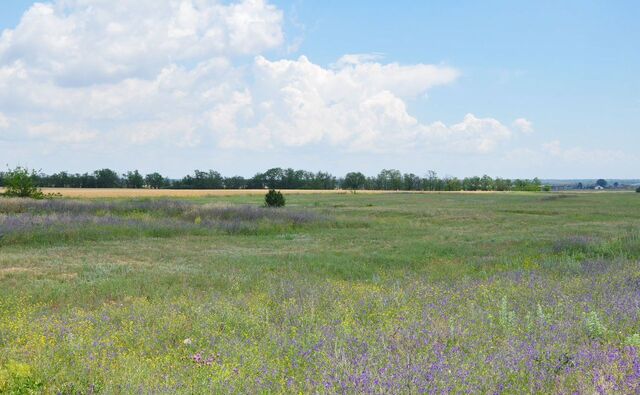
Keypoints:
(502, 184)
(471, 184)
(235, 182)
(430, 182)
(354, 180)
(411, 182)
(106, 178)
(20, 182)
(487, 183)
(601, 183)
(155, 180)
(133, 179)
(452, 184)
(389, 179)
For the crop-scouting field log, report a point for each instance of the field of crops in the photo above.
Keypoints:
(336, 293)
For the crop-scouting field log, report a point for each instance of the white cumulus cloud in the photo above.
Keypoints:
(194, 73)
(523, 125)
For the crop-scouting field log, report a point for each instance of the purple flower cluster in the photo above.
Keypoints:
(200, 360)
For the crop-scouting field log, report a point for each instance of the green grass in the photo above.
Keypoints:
(475, 292)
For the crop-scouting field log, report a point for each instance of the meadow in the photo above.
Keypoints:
(336, 293)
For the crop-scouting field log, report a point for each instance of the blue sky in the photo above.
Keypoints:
(515, 89)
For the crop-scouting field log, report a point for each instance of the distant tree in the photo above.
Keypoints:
(236, 182)
(411, 182)
(274, 198)
(638, 189)
(502, 184)
(354, 180)
(389, 179)
(202, 180)
(452, 184)
(320, 180)
(534, 185)
(430, 182)
(471, 184)
(155, 180)
(106, 178)
(273, 177)
(487, 183)
(20, 182)
(601, 183)
(294, 179)
(257, 181)
(579, 186)
(87, 180)
(133, 179)
(59, 180)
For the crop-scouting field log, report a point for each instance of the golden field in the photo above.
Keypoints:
(129, 193)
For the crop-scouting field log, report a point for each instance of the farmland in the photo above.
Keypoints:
(335, 293)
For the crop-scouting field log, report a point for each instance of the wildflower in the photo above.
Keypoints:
(187, 342)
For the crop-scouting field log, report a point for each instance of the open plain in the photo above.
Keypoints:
(336, 293)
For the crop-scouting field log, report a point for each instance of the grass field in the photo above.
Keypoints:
(337, 293)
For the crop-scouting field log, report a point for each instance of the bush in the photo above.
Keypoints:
(638, 189)
(274, 198)
(19, 182)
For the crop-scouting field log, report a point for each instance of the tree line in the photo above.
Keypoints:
(278, 178)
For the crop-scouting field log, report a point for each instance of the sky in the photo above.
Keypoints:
(512, 89)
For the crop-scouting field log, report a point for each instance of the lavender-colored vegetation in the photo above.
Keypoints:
(57, 215)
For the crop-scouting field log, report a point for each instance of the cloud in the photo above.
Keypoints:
(4, 121)
(84, 42)
(523, 125)
(554, 152)
(62, 133)
(188, 73)
(582, 155)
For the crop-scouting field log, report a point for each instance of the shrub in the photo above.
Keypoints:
(595, 329)
(274, 198)
(638, 189)
(19, 182)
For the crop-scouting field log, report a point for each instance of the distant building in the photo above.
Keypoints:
(598, 187)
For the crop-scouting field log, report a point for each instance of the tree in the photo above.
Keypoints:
(106, 178)
(320, 180)
(471, 183)
(235, 182)
(155, 180)
(133, 179)
(452, 184)
(274, 198)
(601, 183)
(487, 183)
(411, 182)
(638, 189)
(389, 179)
(430, 182)
(502, 184)
(273, 177)
(354, 180)
(20, 182)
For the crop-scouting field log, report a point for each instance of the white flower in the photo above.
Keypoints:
(187, 341)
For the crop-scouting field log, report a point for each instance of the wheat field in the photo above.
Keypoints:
(134, 193)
